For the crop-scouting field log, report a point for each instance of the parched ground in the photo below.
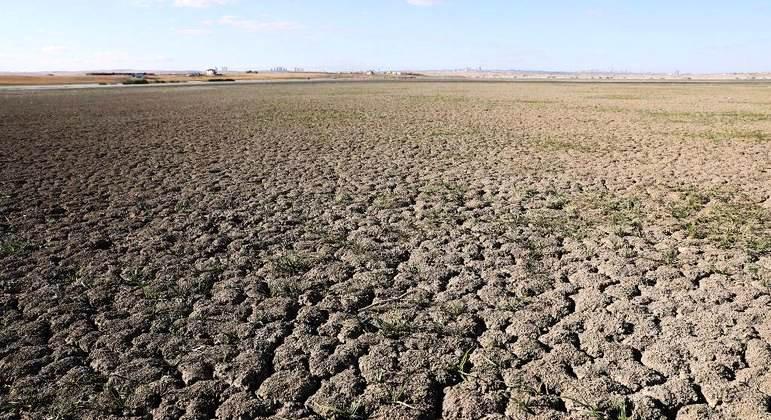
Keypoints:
(386, 250)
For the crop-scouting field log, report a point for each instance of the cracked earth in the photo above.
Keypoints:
(386, 250)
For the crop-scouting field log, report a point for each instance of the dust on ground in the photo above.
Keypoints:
(386, 250)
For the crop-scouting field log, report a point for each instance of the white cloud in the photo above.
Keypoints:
(54, 49)
(193, 31)
(424, 2)
(251, 25)
(200, 3)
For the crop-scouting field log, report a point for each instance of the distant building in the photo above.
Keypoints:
(212, 72)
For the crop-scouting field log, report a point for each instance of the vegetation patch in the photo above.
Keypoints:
(750, 135)
(11, 245)
(728, 219)
(559, 145)
(136, 82)
(575, 216)
(714, 117)
(291, 263)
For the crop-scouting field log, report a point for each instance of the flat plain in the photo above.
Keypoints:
(56, 79)
(386, 250)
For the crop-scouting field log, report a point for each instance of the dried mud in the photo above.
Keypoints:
(386, 250)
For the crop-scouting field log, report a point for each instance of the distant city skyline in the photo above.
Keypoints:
(349, 35)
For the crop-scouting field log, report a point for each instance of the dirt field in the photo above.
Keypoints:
(70, 79)
(386, 250)
(42, 80)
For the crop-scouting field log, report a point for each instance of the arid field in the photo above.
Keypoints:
(394, 250)
(22, 79)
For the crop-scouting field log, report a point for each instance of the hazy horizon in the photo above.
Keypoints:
(348, 35)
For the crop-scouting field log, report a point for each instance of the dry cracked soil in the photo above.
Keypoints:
(386, 250)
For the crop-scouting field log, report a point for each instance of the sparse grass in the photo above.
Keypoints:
(759, 245)
(183, 206)
(359, 247)
(558, 145)
(758, 136)
(603, 410)
(454, 308)
(449, 133)
(291, 263)
(393, 328)
(135, 82)
(512, 304)
(463, 368)
(435, 218)
(733, 224)
(760, 274)
(525, 403)
(389, 201)
(201, 284)
(134, 277)
(625, 214)
(715, 117)
(12, 246)
(620, 412)
(556, 201)
(549, 222)
(620, 96)
(574, 216)
(75, 276)
(690, 203)
(138, 279)
(290, 288)
(400, 396)
(536, 101)
(725, 218)
(352, 411)
(321, 118)
(111, 400)
(669, 256)
(528, 398)
(448, 192)
(343, 198)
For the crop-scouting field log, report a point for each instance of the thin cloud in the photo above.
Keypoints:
(54, 49)
(252, 25)
(199, 4)
(193, 31)
(424, 3)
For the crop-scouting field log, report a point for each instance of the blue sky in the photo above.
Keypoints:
(620, 35)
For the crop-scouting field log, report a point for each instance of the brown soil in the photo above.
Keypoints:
(386, 250)
(42, 80)
(70, 79)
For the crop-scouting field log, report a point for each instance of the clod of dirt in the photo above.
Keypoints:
(101, 244)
